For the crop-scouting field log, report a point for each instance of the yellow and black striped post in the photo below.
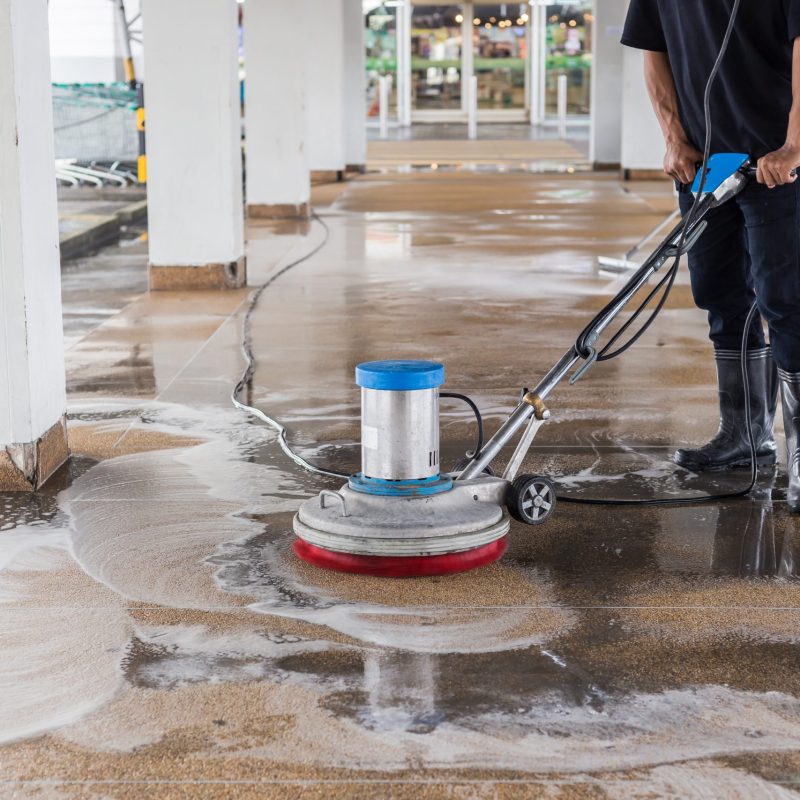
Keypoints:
(130, 73)
(142, 160)
(125, 32)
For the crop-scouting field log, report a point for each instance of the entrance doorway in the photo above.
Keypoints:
(516, 50)
(500, 60)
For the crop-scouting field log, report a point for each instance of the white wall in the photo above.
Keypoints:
(32, 394)
(85, 41)
(607, 82)
(642, 141)
(194, 160)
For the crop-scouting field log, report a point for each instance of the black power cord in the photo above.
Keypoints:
(478, 418)
(666, 283)
(606, 353)
(581, 343)
(245, 381)
(664, 287)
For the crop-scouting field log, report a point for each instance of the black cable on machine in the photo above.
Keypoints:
(664, 287)
(667, 283)
(475, 410)
(606, 353)
(581, 342)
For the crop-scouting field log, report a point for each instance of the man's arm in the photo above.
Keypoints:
(775, 168)
(681, 156)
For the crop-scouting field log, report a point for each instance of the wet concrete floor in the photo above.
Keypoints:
(160, 639)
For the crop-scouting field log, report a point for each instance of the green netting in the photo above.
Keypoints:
(95, 121)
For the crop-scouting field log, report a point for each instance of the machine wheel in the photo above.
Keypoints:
(531, 499)
(464, 463)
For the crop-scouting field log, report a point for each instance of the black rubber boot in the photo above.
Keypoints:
(790, 394)
(730, 447)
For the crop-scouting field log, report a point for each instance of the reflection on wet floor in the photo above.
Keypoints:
(96, 287)
(160, 637)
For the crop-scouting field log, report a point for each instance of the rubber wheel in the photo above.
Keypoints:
(465, 462)
(531, 499)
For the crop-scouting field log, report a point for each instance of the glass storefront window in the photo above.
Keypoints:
(380, 40)
(568, 49)
(436, 80)
(422, 47)
(500, 54)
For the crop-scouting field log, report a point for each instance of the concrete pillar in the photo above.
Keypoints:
(33, 437)
(194, 157)
(355, 87)
(642, 141)
(324, 31)
(278, 180)
(605, 146)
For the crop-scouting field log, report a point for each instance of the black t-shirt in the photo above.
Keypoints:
(752, 94)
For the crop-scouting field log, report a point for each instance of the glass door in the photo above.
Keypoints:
(500, 54)
(568, 46)
(437, 55)
(561, 44)
(381, 43)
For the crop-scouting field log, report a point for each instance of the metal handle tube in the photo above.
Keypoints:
(519, 416)
(522, 413)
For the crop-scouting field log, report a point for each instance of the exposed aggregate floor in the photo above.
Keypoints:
(160, 639)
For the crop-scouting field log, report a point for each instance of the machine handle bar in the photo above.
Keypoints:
(751, 170)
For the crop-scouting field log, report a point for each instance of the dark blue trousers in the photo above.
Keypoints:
(751, 251)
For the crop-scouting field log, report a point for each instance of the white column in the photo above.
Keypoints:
(32, 386)
(642, 142)
(467, 59)
(355, 79)
(404, 62)
(278, 181)
(324, 31)
(194, 158)
(605, 145)
(537, 77)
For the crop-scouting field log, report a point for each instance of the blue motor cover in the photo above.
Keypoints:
(399, 376)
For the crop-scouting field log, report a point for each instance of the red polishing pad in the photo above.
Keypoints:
(401, 566)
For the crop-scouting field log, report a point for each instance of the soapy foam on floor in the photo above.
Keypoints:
(432, 615)
(63, 637)
(116, 534)
(700, 781)
(344, 605)
(171, 508)
(633, 732)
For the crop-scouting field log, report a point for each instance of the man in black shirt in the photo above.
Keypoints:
(751, 247)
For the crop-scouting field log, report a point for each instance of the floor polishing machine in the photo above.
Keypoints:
(401, 515)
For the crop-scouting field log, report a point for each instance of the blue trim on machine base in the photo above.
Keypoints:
(412, 488)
